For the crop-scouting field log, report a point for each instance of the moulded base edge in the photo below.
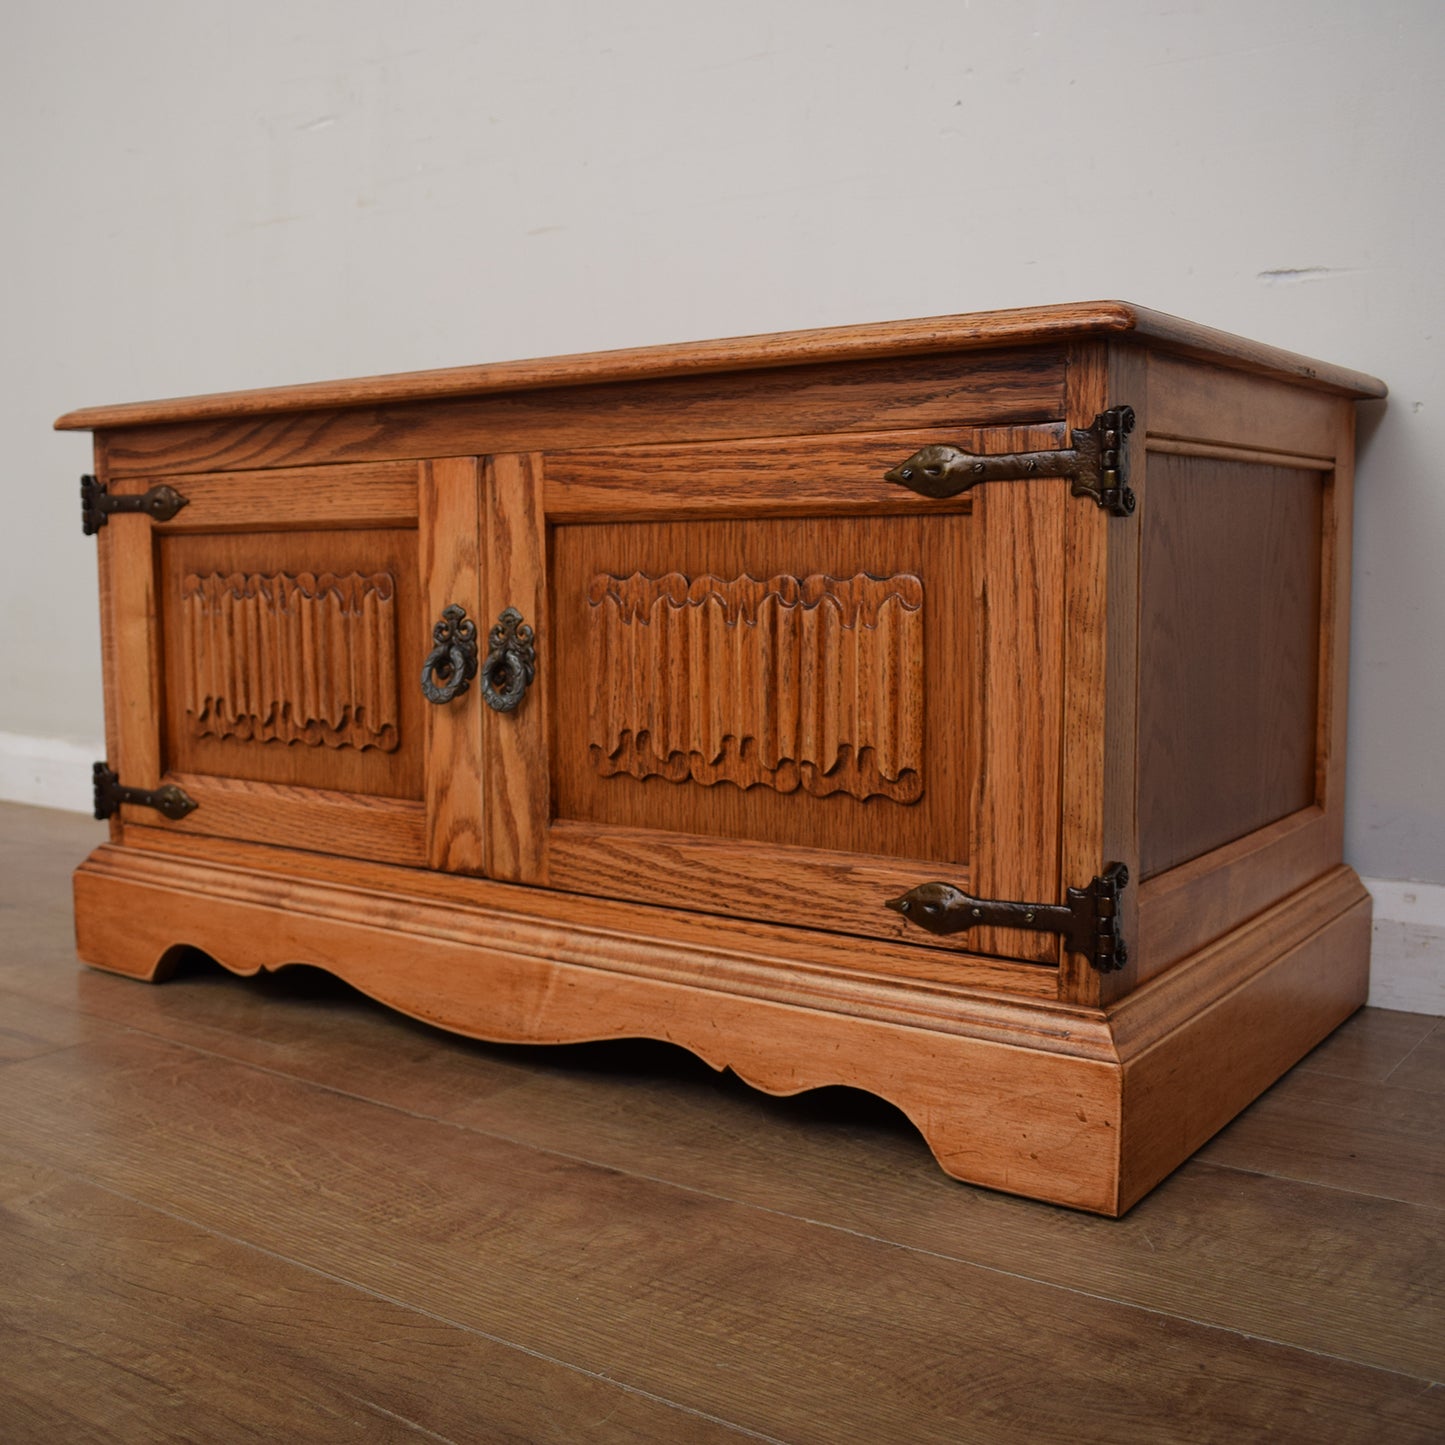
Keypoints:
(1079, 1107)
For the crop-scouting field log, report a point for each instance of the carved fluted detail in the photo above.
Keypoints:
(305, 658)
(789, 682)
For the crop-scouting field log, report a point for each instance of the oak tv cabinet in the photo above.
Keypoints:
(953, 709)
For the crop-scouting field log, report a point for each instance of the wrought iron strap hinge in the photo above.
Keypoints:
(1089, 920)
(169, 800)
(1097, 465)
(161, 503)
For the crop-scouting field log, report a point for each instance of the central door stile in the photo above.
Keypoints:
(451, 563)
(515, 767)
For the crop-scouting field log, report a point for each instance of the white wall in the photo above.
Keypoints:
(203, 195)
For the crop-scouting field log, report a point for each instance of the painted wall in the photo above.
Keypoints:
(202, 195)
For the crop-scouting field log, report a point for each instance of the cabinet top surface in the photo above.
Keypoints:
(1022, 326)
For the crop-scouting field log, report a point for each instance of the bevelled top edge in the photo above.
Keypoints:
(975, 330)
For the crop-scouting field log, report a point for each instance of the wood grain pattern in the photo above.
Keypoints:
(1022, 325)
(1385, 1140)
(450, 544)
(836, 475)
(376, 494)
(564, 1260)
(293, 659)
(786, 682)
(995, 1114)
(1018, 702)
(130, 1324)
(1166, 446)
(903, 393)
(813, 888)
(706, 858)
(695, 826)
(669, 948)
(1140, 1020)
(1184, 908)
(132, 606)
(288, 663)
(351, 825)
(1176, 1098)
(697, 864)
(1336, 1272)
(515, 760)
(1228, 653)
(936, 550)
(1374, 1047)
(1190, 402)
(1101, 607)
(1181, 910)
(1042, 1111)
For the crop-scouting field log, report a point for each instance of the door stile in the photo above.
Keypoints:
(131, 628)
(448, 518)
(1018, 652)
(1101, 683)
(515, 759)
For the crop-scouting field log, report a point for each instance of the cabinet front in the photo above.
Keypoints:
(268, 642)
(765, 680)
(777, 685)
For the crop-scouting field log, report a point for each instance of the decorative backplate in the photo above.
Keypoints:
(791, 682)
(452, 663)
(295, 659)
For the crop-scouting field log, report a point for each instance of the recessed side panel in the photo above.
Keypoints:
(1229, 652)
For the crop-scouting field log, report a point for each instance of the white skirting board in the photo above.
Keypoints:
(48, 772)
(1407, 961)
(1407, 953)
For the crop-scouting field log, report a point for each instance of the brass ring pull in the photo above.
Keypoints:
(452, 663)
(511, 662)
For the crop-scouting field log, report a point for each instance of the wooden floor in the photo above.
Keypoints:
(269, 1210)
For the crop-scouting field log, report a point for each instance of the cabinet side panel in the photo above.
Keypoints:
(1229, 652)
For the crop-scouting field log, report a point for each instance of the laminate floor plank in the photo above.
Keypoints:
(1423, 1068)
(1249, 1245)
(38, 849)
(1377, 1139)
(1243, 1251)
(29, 1027)
(1225, 1247)
(1370, 1046)
(123, 1323)
(770, 1322)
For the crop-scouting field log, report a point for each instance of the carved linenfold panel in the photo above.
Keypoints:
(790, 682)
(305, 658)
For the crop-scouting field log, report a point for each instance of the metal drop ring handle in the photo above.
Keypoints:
(511, 662)
(452, 663)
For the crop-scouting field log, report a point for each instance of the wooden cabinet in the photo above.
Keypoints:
(953, 709)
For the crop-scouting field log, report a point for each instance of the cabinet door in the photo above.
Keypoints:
(774, 685)
(265, 652)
